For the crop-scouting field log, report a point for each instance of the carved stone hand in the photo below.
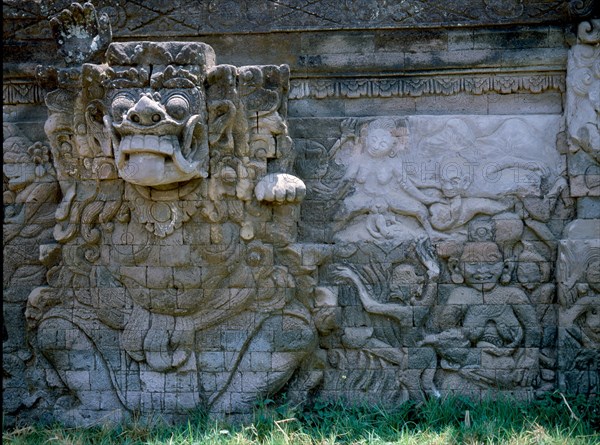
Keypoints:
(348, 127)
(344, 273)
(80, 34)
(280, 188)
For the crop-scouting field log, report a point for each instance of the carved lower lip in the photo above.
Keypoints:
(152, 169)
(482, 278)
(154, 160)
(150, 159)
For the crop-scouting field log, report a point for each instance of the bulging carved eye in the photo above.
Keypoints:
(120, 105)
(178, 107)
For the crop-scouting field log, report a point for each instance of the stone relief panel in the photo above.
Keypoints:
(419, 86)
(174, 249)
(578, 278)
(579, 251)
(444, 231)
(30, 195)
(400, 178)
(188, 18)
(582, 111)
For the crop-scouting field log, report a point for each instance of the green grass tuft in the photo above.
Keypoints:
(554, 419)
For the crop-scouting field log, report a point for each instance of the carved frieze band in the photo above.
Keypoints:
(22, 92)
(29, 92)
(418, 86)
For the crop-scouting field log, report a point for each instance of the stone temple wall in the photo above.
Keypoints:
(210, 203)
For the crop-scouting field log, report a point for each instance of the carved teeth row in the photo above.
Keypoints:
(149, 143)
(492, 340)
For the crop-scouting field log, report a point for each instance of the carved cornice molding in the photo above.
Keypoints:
(136, 18)
(426, 85)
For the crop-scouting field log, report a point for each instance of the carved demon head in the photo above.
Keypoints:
(148, 106)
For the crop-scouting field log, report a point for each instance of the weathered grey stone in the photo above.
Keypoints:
(588, 208)
(455, 104)
(549, 103)
(375, 107)
(518, 38)
(338, 43)
(411, 41)
(158, 257)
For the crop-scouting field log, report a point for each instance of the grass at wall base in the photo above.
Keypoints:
(553, 419)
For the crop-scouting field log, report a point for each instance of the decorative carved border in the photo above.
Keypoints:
(22, 92)
(29, 92)
(418, 86)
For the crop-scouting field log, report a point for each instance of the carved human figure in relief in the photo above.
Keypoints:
(179, 282)
(455, 208)
(582, 107)
(407, 289)
(580, 336)
(533, 272)
(30, 196)
(371, 156)
(487, 330)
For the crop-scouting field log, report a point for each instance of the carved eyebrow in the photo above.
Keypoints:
(189, 94)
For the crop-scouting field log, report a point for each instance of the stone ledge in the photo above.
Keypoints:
(188, 18)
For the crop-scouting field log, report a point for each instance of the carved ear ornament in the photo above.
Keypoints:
(506, 276)
(455, 271)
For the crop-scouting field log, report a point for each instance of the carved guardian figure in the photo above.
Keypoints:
(179, 283)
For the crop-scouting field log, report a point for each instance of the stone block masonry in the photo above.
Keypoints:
(212, 204)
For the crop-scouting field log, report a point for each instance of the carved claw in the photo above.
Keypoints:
(426, 255)
(80, 33)
(280, 188)
(348, 127)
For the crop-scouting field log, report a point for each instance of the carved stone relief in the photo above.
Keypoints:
(173, 249)
(434, 175)
(179, 283)
(583, 111)
(30, 195)
(189, 18)
(445, 230)
(578, 280)
(419, 86)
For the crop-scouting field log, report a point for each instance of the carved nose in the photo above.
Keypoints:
(146, 112)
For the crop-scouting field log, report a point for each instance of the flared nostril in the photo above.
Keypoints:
(143, 119)
(146, 112)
